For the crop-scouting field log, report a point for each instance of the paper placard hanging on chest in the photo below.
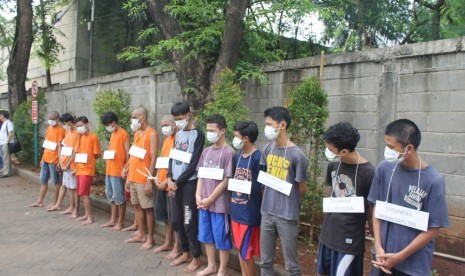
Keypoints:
(49, 145)
(402, 215)
(81, 158)
(240, 186)
(66, 151)
(137, 152)
(109, 154)
(162, 163)
(210, 173)
(274, 183)
(355, 204)
(180, 155)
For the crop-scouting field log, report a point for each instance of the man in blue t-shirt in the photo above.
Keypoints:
(245, 207)
(406, 181)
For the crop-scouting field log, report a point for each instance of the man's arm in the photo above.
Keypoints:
(392, 259)
(379, 250)
(302, 188)
(207, 202)
(153, 160)
(192, 167)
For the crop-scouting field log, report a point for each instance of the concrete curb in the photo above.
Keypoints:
(105, 206)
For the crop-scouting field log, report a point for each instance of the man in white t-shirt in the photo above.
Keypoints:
(6, 136)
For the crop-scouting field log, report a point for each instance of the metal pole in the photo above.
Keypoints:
(36, 145)
(91, 43)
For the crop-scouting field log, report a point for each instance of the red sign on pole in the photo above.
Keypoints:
(35, 112)
(35, 89)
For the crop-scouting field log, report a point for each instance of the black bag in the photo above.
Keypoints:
(15, 146)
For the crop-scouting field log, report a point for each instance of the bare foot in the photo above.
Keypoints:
(36, 204)
(222, 274)
(173, 254)
(54, 208)
(117, 227)
(108, 224)
(147, 245)
(136, 238)
(163, 247)
(88, 221)
(183, 259)
(130, 228)
(82, 218)
(195, 264)
(67, 211)
(49, 206)
(73, 216)
(207, 271)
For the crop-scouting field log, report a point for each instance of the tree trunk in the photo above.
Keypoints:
(436, 20)
(195, 75)
(48, 76)
(19, 58)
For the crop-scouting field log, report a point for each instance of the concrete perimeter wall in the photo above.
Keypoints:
(424, 82)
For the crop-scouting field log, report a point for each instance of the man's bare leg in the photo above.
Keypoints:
(195, 264)
(72, 202)
(150, 227)
(40, 200)
(121, 213)
(77, 202)
(176, 249)
(211, 261)
(88, 211)
(139, 236)
(185, 257)
(59, 201)
(57, 192)
(168, 244)
(112, 221)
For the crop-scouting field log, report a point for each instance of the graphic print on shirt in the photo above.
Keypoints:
(240, 198)
(277, 166)
(182, 146)
(342, 185)
(415, 196)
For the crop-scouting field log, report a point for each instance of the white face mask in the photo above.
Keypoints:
(167, 130)
(52, 122)
(237, 143)
(135, 125)
(110, 128)
(213, 137)
(181, 124)
(81, 129)
(66, 127)
(271, 133)
(392, 156)
(332, 156)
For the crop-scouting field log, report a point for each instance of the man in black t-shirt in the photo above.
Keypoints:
(342, 239)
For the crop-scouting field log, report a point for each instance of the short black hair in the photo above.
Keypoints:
(180, 108)
(109, 117)
(278, 114)
(82, 119)
(66, 117)
(217, 119)
(5, 114)
(247, 128)
(405, 131)
(342, 135)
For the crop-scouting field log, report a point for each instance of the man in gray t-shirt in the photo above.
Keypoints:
(405, 180)
(280, 212)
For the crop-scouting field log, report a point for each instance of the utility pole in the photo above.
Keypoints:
(91, 42)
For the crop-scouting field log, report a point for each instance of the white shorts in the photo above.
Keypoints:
(69, 180)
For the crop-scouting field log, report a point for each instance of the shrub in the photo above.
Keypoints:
(308, 106)
(228, 101)
(25, 129)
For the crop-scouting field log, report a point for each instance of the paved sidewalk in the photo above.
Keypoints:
(36, 242)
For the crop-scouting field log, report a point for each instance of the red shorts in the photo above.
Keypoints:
(246, 239)
(83, 185)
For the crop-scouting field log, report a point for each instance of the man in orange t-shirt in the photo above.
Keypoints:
(116, 157)
(49, 163)
(162, 201)
(143, 155)
(70, 146)
(89, 150)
